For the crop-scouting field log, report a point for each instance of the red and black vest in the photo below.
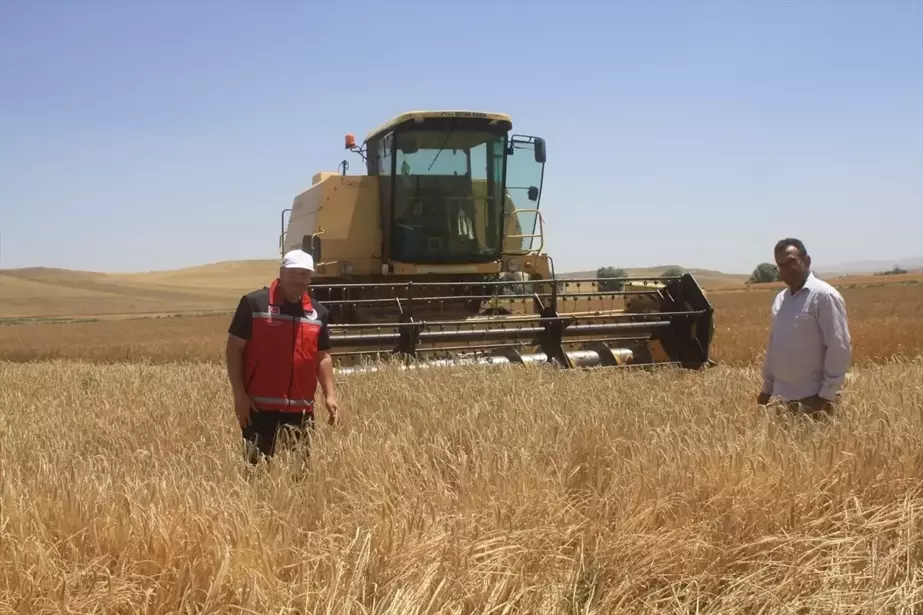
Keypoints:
(280, 360)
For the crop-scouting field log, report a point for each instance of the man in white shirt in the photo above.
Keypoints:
(809, 347)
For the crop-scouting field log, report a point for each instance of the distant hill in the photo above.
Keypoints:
(54, 292)
(235, 275)
(707, 278)
(41, 291)
(869, 266)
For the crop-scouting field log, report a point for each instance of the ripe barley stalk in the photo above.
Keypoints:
(123, 490)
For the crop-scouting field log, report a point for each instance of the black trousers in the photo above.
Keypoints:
(796, 406)
(266, 428)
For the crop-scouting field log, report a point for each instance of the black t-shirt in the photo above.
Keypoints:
(242, 323)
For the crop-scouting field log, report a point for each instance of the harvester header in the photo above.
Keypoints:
(434, 254)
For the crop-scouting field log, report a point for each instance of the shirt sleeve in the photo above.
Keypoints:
(242, 323)
(768, 379)
(831, 316)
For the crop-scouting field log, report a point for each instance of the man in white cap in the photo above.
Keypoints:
(277, 353)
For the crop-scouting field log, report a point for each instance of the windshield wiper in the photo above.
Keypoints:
(447, 137)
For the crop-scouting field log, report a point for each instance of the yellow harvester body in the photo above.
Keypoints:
(440, 243)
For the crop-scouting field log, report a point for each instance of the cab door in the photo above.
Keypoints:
(525, 172)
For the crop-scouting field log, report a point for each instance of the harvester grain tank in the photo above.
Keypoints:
(435, 255)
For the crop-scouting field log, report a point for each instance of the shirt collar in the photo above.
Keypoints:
(808, 283)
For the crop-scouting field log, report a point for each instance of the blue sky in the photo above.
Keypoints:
(138, 136)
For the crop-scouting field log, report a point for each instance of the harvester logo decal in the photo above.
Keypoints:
(274, 310)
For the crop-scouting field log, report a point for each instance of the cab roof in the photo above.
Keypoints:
(409, 116)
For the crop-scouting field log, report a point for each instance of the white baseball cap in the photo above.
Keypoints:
(298, 259)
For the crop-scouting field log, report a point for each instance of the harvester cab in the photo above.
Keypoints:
(435, 255)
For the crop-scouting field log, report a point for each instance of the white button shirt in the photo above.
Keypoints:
(809, 349)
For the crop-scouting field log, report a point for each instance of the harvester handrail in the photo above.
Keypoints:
(284, 232)
(645, 278)
(651, 318)
(485, 334)
(409, 284)
(428, 299)
(591, 293)
(540, 234)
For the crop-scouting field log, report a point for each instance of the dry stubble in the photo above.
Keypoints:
(458, 492)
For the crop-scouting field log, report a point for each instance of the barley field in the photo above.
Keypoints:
(508, 490)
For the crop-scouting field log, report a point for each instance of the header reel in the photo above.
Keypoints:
(569, 323)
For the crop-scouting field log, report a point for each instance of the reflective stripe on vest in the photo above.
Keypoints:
(286, 317)
(298, 403)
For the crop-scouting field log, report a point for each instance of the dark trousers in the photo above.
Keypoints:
(797, 407)
(267, 428)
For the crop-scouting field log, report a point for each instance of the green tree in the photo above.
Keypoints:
(610, 272)
(894, 271)
(670, 272)
(764, 273)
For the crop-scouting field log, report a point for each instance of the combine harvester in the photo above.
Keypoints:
(435, 256)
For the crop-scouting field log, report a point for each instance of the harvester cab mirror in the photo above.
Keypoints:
(409, 145)
(538, 147)
(311, 245)
(539, 152)
(533, 193)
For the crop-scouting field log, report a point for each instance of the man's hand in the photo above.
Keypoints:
(235, 359)
(242, 405)
(332, 408)
(325, 377)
